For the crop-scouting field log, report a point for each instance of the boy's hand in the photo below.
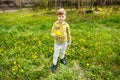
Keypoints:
(68, 45)
(54, 35)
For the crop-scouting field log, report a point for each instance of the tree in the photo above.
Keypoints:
(43, 4)
(55, 4)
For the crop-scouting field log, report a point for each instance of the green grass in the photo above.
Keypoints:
(26, 47)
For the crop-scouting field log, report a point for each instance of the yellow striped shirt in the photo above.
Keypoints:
(64, 30)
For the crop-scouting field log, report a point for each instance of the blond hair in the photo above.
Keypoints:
(61, 11)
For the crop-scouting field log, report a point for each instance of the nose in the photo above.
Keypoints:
(61, 17)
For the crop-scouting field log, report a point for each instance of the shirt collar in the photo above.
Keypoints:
(62, 23)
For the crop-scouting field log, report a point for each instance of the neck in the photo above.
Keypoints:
(61, 21)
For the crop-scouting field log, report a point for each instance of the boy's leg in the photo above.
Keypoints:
(62, 54)
(62, 51)
(55, 57)
(56, 54)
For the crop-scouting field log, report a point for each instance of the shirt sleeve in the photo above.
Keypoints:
(68, 34)
(53, 30)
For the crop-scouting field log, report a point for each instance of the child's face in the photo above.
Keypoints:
(61, 18)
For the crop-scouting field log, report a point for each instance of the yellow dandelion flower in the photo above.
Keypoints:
(34, 56)
(87, 64)
(34, 39)
(35, 52)
(67, 53)
(14, 62)
(100, 65)
(58, 33)
(51, 50)
(13, 69)
(100, 53)
(33, 46)
(14, 73)
(80, 77)
(82, 47)
(83, 40)
(40, 43)
(90, 44)
(22, 70)
(76, 60)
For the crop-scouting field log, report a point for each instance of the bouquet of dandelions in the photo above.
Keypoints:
(57, 33)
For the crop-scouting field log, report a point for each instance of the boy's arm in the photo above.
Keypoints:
(68, 35)
(53, 30)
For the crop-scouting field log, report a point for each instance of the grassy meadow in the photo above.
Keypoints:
(26, 46)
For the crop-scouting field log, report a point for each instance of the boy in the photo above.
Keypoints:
(62, 39)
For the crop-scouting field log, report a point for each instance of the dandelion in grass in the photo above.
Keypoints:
(34, 56)
(40, 43)
(14, 62)
(22, 70)
(100, 53)
(82, 48)
(87, 64)
(100, 65)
